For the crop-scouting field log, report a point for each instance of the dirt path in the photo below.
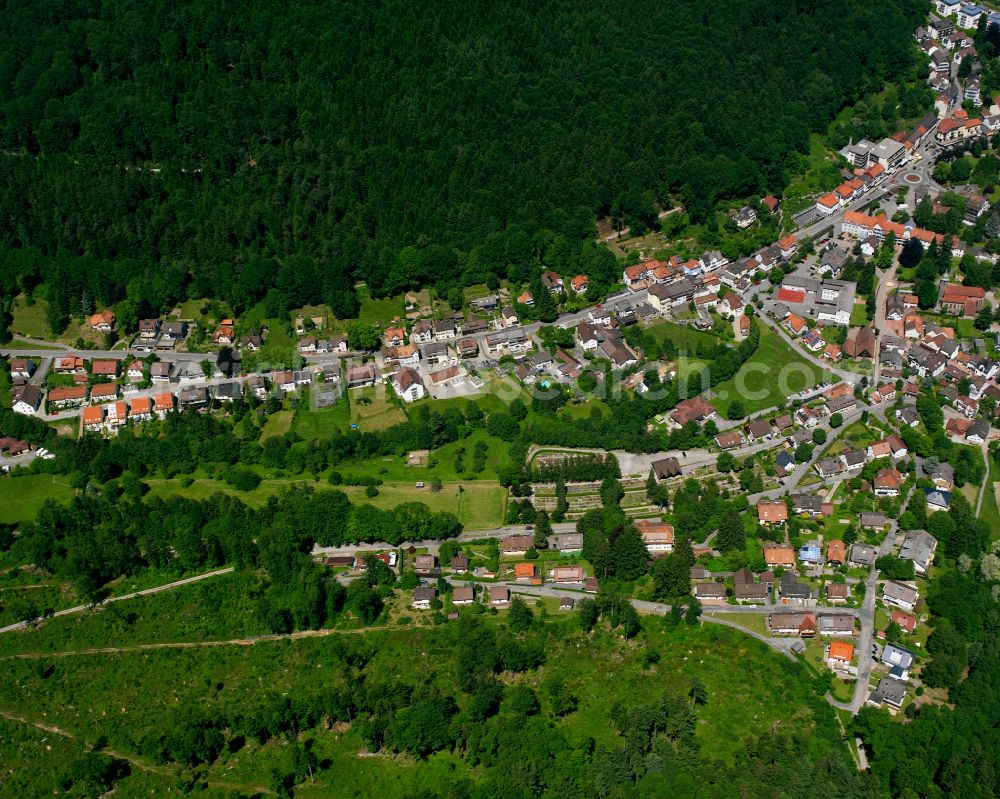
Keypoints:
(142, 765)
(114, 650)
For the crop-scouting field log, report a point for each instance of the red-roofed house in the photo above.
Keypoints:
(141, 408)
(796, 324)
(93, 418)
(788, 245)
(904, 620)
(103, 322)
(579, 284)
(163, 404)
(828, 203)
(772, 513)
(657, 536)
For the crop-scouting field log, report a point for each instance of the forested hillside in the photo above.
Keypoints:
(166, 150)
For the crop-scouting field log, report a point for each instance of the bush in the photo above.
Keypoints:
(242, 479)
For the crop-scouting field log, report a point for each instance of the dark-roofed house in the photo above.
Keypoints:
(836, 624)
(569, 542)
(729, 440)
(829, 467)
(460, 564)
(890, 692)
(837, 592)
(801, 624)
(499, 596)
(872, 520)
(710, 593)
(516, 545)
(666, 468)
(463, 595)
(751, 593)
(759, 430)
(791, 591)
(422, 597)
(862, 555)
(900, 595)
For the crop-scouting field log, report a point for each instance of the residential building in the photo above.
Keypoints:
(900, 595)
(710, 593)
(408, 385)
(888, 692)
(28, 401)
(779, 555)
(800, 624)
(862, 555)
(919, 546)
(657, 536)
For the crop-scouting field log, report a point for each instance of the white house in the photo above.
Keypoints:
(408, 385)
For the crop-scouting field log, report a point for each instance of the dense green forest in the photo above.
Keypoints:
(153, 152)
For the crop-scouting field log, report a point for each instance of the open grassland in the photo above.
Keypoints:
(379, 311)
(373, 409)
(30, 320)
(685, 338)
(478, 505)
(277, 424)
(127, 697)
(22, 496)
(773, 373)
(323, 422)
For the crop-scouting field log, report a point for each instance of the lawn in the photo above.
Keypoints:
(323, 422)
(773, 373)
(277, 424)
(479, 505)
(22, 496)
(31, 320)
(372, 408)
(859, 315)
(685, 338)
(990, 512)
(586, 409)
(378, 311)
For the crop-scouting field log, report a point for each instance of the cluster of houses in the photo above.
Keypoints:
(946, 41)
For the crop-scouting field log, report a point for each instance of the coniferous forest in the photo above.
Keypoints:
(159, 151)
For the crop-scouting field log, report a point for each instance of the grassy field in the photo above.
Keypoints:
(989, 512)
(124, 697)
(685, 338)
(769, 377)
(373, 409)
(479, 505)
(30, 320)
(322, 423)
(859, 315)
(277, 424)
(378, 311)
(21, 497)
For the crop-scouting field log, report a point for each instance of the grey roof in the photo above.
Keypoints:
(568, 541)
(872, 519)
(862, 553)
(900, 591)
(893, 655)
(835, 622)
(892, 691)
(918, 546)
